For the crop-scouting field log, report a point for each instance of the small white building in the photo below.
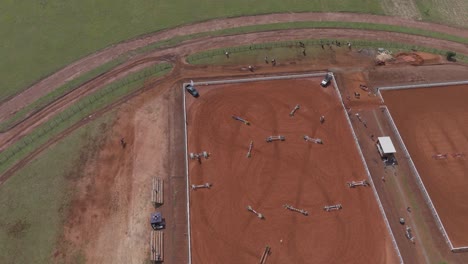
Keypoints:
(385, 147)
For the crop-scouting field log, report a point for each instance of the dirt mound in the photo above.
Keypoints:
(409, 58)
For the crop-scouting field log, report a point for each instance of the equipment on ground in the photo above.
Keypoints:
(326, 81)
(241, 119)
(198, 156)
(157, 221)
(275, 138)
(249, 152)
(409, 234)
(358, 117)
(201, 186)
(364, 87)
(314, 140)
(259, 215)
(353, 184)
(291, 114)
(322, 119)
(329, 208)
(291, 208)
(440, 156)
(402, 220)
(265, 254)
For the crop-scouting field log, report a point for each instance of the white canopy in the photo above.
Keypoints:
(386, 145)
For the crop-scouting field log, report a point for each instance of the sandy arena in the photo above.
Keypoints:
(303, 174)
(433, 121)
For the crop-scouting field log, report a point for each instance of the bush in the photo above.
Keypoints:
(451, 56)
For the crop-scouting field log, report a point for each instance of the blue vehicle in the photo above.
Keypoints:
(191, 89)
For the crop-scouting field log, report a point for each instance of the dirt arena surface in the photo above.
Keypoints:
(303, 174)
(111, 210)
(434, 121)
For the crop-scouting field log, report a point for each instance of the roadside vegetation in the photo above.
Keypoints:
(287, 50)
(302, 25)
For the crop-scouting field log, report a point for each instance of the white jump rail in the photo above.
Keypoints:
(421, 185)
(387, 224)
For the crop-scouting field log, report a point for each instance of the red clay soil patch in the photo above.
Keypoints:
(430, 58)
(295, 172)
(101, 193)
(434, 121)
(409, 58)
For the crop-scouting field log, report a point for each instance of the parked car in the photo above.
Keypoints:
(326, 81)
(191, 90)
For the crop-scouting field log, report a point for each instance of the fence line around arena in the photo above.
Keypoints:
(421, 85)
(79, 107)
(189, 234)
(419, 181)
(239, 80)
(418, 178)
(358, 146)
(256, 79)
(316, 42)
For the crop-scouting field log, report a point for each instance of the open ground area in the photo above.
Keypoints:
(434, 126)
(295, 172)
(91, 111)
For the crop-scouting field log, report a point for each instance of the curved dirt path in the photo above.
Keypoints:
(183, 71)
(87, 63)
(192, 46)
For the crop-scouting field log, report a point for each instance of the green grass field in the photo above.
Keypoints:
(33, 203)
(453, 12)
(40, 37)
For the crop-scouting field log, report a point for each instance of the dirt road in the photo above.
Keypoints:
(100, 57)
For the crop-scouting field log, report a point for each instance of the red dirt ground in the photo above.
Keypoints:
(111, 208)
(433, 121)
(294, 172)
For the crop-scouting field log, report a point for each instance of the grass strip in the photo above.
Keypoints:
(212, 56)
(81, 109)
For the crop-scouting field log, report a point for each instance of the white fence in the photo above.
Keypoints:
(410, 160)
(387, 224)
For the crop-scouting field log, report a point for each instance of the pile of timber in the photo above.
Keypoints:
(157, 195)
(157, 246)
